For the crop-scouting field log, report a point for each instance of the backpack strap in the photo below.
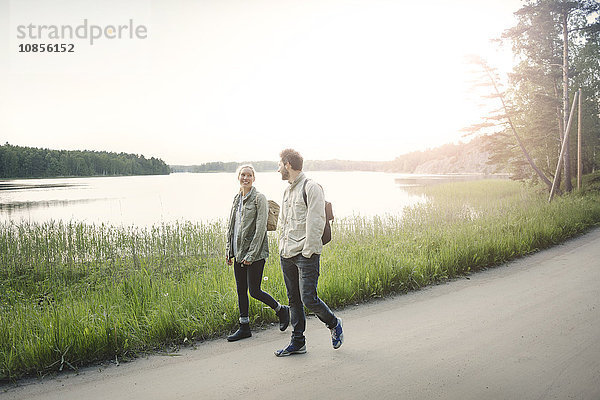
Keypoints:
(326, 238)
(304, 192)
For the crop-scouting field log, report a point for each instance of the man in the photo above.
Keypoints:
(302, 224)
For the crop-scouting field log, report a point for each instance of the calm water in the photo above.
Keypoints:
(149, 200)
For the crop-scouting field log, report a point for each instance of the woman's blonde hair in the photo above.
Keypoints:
(241, 167)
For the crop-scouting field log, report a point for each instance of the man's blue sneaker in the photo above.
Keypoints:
(337, 335)
(292, 348)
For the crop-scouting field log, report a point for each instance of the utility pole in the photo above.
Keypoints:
(565, 16)
(565, 144)
(579, 160)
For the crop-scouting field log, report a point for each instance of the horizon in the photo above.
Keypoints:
(148, 156)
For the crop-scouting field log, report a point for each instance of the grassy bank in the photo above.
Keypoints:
(72, 294)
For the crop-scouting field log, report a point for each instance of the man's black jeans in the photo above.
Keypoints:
(301, 276)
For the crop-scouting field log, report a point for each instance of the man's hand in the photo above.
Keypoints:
(246, 262)
(229, 260)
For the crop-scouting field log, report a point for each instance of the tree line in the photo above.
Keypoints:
(219, 166)
(31, 162)
(406, 163)
(272, 166)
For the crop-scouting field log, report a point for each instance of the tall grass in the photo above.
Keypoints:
(462, 228)
(72, 294)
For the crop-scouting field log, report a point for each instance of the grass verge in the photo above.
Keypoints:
(73, 294)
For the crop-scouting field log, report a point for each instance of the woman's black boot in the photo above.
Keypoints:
(284, 317)
(242, 333)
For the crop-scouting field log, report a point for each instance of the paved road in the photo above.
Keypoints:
(526, 330)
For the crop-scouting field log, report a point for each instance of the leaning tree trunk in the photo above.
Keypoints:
(567, 157)
(539, 172)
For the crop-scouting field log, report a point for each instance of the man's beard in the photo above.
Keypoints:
(285, 175)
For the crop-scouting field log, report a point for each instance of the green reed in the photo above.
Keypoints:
(72, 294)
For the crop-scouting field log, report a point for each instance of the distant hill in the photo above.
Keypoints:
(344, 165)
(458, 158)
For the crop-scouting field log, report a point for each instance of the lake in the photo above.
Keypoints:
(152, 200)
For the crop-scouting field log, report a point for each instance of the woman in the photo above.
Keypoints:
(247, 249)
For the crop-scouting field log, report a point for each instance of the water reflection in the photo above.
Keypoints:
(152, 200)
(12, 207)
(24, 186)
(425, 180)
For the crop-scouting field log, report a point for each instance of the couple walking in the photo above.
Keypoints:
(302, 221)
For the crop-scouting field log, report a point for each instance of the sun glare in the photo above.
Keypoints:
(370, 79)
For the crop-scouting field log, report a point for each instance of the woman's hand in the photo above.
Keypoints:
(229, 260)
(246, 262)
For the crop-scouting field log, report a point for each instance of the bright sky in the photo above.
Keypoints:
(235, 80)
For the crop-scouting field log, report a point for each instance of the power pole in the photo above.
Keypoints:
(565, 14)
(579, 160)
(565, 144)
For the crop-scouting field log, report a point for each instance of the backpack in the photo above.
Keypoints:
(273, 216)
(326, 238)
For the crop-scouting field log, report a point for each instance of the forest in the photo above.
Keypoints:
(31, 162)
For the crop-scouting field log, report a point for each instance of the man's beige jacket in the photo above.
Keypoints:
(301, 225)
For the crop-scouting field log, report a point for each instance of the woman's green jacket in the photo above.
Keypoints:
(252, 241)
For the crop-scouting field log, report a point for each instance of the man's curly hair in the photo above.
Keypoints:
(293, 157)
